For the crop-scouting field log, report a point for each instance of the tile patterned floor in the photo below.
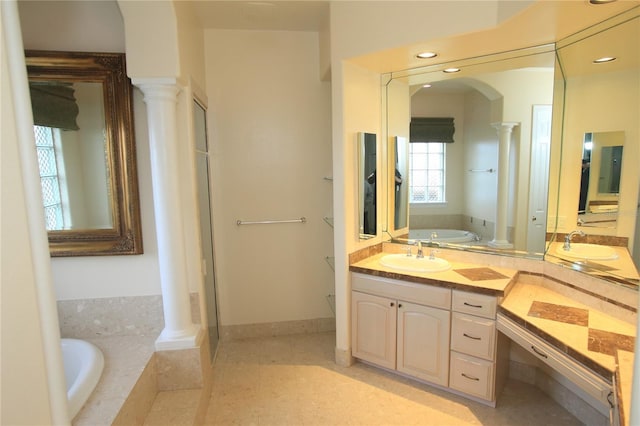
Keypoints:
(293, 380)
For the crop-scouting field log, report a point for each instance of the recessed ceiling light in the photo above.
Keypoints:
(451, 70)
(426, 55)
(426, 86)
(603, 60)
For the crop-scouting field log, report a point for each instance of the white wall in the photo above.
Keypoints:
(97, 26)
(24, 385)
(269, 128)
(481, 153)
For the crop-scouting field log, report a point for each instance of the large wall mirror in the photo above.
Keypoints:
(482, 184)
(83, 117)
(595, 201)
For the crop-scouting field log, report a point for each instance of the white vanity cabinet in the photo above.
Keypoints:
(402, 326)
(434, 334)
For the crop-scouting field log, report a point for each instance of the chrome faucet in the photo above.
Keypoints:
(567, 239)
(419, 254)
(434, 235)
(432, 254)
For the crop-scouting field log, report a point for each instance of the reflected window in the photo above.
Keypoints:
(53, 194)
(427, 172)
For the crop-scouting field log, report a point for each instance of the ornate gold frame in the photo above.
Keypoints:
(125, 237)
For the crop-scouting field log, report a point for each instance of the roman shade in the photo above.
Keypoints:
(430, 129)
(54, 105)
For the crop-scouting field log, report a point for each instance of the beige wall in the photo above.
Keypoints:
(269, 128)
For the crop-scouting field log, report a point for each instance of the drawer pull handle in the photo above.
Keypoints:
(471, 337)
(542, 354)
(470, 377)
(473, 306)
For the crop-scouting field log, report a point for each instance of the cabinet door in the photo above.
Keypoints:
(423, 342)
(373, 332)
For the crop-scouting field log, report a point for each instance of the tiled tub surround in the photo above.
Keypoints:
(125, 329)
(609, 308)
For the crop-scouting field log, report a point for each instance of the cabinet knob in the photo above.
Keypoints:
(399, 305)
(391, 304)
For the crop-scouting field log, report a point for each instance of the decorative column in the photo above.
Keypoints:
(502, 209)
(160, 96)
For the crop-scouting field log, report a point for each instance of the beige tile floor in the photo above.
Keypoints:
(293, 380)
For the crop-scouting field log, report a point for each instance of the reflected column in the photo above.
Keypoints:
(500, 239)
(160, 97)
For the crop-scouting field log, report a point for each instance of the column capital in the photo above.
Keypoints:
(505, 125)
(161, 89)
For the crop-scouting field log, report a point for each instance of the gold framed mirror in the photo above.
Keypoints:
(83, 122)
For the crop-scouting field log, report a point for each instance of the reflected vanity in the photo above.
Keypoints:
(82, 109)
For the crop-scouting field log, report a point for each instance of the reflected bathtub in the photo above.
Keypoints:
(443, 235)
(83, 365)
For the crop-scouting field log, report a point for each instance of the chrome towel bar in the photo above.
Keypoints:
(268, 222)
(482, 170)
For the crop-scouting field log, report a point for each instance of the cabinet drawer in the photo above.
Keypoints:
(471, 375)
(422, 294)
(473, 335)
(474, 304)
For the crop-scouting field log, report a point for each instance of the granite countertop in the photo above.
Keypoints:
(582, 332)
(481, 279)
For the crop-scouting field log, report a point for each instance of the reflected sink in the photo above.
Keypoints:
(585, 251)
(403, 262)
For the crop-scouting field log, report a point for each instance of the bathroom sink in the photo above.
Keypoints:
(403, 262)
(585, 251)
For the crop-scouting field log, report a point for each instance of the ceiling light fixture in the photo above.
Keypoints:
(426, 55)
(604, 60)
(451, 70)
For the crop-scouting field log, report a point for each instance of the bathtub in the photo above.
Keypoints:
(83, 365)
(443, 235)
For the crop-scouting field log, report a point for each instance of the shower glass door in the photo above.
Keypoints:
(206, 223)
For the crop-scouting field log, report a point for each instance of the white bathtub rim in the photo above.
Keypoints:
(444, 235)
(88, 376)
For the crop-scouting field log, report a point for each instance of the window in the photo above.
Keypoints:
(47, 139)
(426, 168)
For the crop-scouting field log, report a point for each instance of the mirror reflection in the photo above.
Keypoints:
(400, 150)
(595, 202)
(598, 203)
(71, 141)
(478, 189)
(367, 184)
